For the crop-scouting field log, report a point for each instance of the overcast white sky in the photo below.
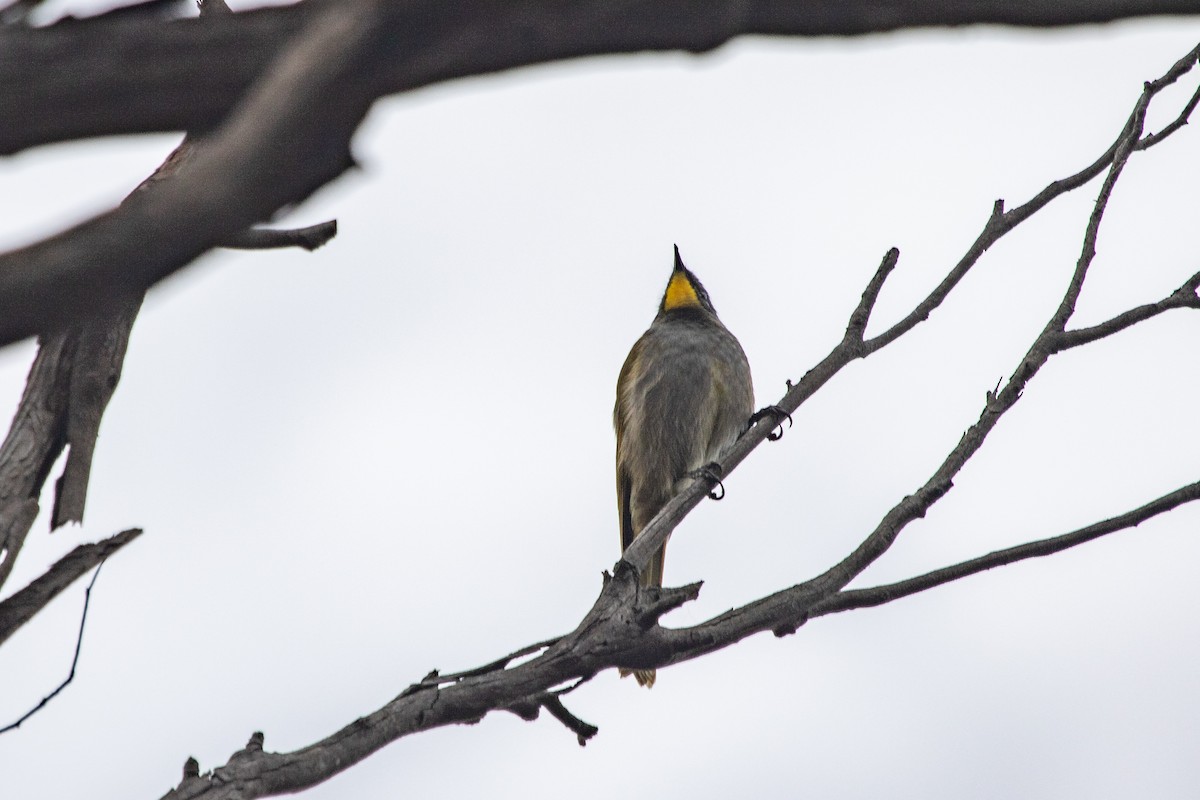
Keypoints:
(395, 454)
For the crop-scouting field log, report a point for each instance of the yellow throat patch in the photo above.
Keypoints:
(680, 292)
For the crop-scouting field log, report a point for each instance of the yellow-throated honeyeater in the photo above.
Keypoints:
(684, 396)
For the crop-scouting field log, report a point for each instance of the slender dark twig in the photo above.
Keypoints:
(434, 679)
(87, 599)
(878, 595)
(21, 606)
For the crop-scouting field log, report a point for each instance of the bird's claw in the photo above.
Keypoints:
(712, 471)
(777, 414)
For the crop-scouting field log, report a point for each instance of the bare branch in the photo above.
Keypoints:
(1001, 222)
(16, 518)
(97, 354)
(878, 595)
(862, 314)
(602, 640)
(77, 371)
(234, 177)
(166, 84)
(783, 612)
(87, 599)
(992, 231)
(309, 238)
(1125, 147)
(144, 241)
(34, 441)
(435, 679)
(1182, 119)
(582, 730)
(18, 609)
(853, 347)
(396, 47)
(1183, 297)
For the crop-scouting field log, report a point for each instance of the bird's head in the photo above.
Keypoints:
(684, 291)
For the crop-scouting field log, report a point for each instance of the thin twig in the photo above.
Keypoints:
(878, 595)
(434, 679)
(1001, 221)
(1183, 297)
(19, 608)
(87, 599)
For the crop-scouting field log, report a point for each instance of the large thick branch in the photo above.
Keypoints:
(237, 175)
(99, 344)
(66, 82)
(74, 376)
(306, 75)
(35, 439)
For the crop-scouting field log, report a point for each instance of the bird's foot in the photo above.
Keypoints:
(711, 472)
(775, 413)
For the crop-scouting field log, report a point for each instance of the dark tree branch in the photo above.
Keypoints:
(75, 374)
(582, 730)
(17, 12)
(853, 346)
(18, 609)
(70, 384)
(165, 82)
(16, 518)
(530, 708)
(434, 679)
(231, 179)
(213, 62)
(783, 612)
(97, 354)
(1001, 222)
(622, 628)
(878, 595)
(235, 176)
(309, 238)
(1183, 297)
(35, 440)
(602, 640)
(87, 599)
(1125, 147)
(862, 313)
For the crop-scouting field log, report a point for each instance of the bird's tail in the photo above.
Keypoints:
(651, 576)
(644, 677)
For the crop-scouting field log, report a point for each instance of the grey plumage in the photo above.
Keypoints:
(684, 396)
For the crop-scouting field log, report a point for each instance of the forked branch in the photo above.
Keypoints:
(621, 629)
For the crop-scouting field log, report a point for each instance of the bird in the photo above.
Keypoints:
(684, 396)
